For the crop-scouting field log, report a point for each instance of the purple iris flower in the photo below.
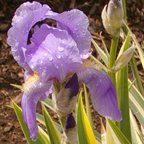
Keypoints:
(53, 54)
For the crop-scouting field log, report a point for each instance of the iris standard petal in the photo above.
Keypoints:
(25, 17)
(34, 90)
(56, 55)
(76, 23)
(103, 94)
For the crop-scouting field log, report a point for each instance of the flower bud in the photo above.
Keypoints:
(70, 130)
(123, 59)
(112, 17)
(67, 97)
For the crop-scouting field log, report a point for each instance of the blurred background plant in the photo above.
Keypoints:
(126, 78)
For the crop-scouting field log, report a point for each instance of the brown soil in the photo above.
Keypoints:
(11, 73)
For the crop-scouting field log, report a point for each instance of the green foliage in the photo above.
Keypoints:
(123, 94)
(53, 133)
(85, 132)
(117, 134)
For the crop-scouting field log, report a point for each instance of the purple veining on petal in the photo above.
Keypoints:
(55, 53)
(103, 93)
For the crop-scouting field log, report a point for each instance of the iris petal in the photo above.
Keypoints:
(34, 90)
(56, 55)
(103, 94)
(76, 23)
(25, 17)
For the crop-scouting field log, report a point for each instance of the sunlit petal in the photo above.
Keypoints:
(34, 90)
(103, 93)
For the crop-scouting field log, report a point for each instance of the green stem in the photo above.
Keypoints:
(112, 58)
(124, 102)
(122, 90)
(123, 95)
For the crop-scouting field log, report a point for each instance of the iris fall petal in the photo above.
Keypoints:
(34, 90)
(103, 94)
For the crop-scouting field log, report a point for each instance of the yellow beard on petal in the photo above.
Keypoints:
(30, 82)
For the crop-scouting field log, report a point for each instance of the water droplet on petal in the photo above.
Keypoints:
(44, 73)
(58, 56)
(57, 66)
(63, 42)
(40, 84)
(32, 66)
(17, 58)
(45, 54)
(60, 49)
(50, 58)
(16, 44)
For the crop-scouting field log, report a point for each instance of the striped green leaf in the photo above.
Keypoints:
(123, 94)
(40, 119)
(100, 52)
(138, 46)
(42, 136)
(48, 103)
(117, 134)
(135, 130)
(85, 132)
(52, 130)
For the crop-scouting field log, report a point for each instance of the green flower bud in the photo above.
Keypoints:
(123, 59)
(65, 104)
(112, 17)
(66, 99)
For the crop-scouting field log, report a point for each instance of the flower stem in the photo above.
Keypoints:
(112, 58)
(113, 52)
(122, 88)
